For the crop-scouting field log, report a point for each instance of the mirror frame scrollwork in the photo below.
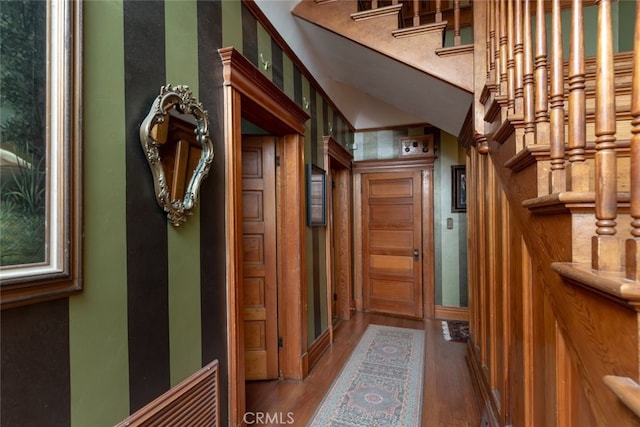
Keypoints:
(181, 99)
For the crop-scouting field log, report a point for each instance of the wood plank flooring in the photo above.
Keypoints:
(448, 398)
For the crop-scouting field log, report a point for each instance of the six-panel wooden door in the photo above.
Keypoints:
(259, 258)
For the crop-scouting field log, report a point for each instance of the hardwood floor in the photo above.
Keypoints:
(448, 399)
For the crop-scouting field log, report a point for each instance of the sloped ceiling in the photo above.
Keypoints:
(371, 90)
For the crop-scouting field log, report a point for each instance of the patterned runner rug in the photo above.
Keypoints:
(457, 331)
(381, 383)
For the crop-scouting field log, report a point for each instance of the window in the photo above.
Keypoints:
(40, 192)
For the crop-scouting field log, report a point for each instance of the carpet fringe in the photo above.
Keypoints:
(445, 330)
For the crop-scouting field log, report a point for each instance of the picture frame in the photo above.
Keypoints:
(57, 174)
(458, 188)
(316, 196)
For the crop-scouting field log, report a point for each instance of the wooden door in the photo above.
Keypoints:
(392, 243)
(259, 258)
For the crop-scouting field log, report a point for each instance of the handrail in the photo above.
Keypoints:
(627, 390)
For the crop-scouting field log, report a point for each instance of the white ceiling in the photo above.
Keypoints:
(371, 90)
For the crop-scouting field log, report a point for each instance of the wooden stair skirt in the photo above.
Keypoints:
(193, 402)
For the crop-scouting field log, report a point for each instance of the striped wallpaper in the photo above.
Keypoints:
(153, 307)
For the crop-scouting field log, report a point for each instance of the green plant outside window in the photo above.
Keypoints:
(23, 147)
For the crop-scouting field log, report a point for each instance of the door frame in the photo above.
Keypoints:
(425, 165)
(338, 161)
(251, 95)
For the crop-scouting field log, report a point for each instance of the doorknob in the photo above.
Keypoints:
(416, 254)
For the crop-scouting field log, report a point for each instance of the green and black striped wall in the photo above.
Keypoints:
(153, 309)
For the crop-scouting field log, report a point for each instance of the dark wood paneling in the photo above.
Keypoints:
(35, 381)
(147, 266)
(212, 225)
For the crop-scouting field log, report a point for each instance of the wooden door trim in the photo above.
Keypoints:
(397, 165)
(393, 165)
(429, 266)
(249, 94)
(335, 154)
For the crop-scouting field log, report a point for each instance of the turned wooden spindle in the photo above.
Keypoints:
(438, 10)
(518, 53)
(502, 17)
(511, 63)
(374, 4)
(632, 263)
(557, 182)
(491, 43)
(578, 174)
(528, 80)
(416, 13)
(456, 23)
(606, 254)
(542, 103)
(497, 45)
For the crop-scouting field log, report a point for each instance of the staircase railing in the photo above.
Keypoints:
(546, 104)
(589, 160)
(457, 14)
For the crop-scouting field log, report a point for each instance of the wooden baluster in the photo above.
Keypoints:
(491, 43)
(416, 13)
(374, 4)
(503, 47)
(438, 10)
(578, 173)
(633, 244)
(511, 63)
(456, 23)
(557, 182)
(527, 80)
(606, 254)
(498, 46)
(542, 112)
(518, 55)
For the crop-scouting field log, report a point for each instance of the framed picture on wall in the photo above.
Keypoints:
(316, 196)
(458, 188)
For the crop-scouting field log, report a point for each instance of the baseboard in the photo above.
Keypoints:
(482, 389)
(319, 346)
(452, 313)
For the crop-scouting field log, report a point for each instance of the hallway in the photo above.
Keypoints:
(448, 399)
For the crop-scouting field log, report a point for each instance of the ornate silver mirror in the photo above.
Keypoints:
(175, 140)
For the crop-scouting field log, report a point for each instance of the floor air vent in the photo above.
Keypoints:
(193, 403)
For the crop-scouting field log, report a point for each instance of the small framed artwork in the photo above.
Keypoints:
(458, 188)
(316, 196)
